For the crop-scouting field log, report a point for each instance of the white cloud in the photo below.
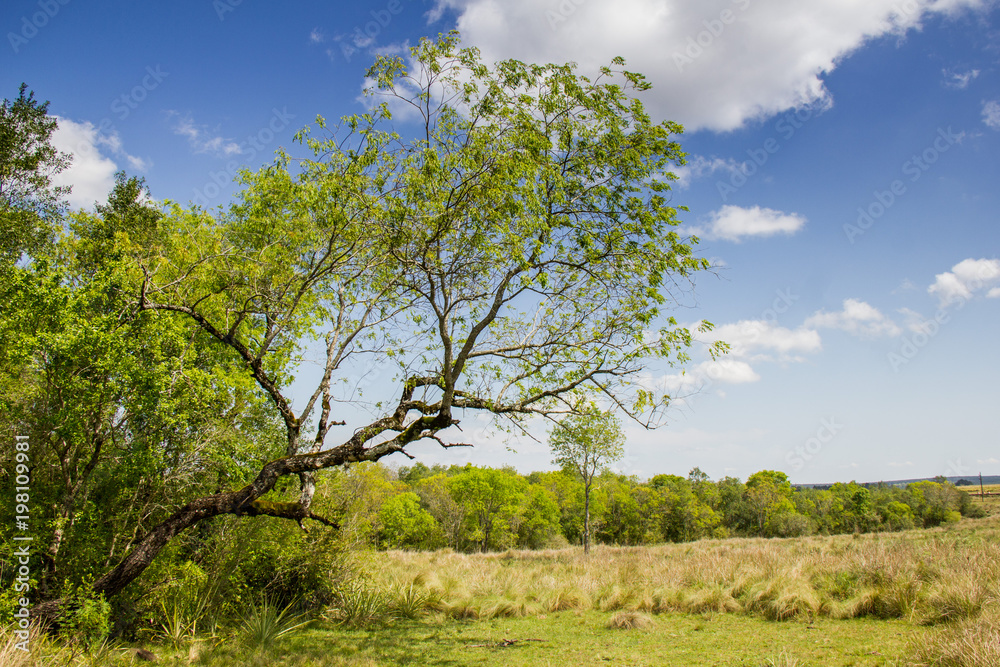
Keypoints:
(728, 371)
(994, 293)
(316, 36)
(762, 339)
(857, 318)
(749, 341)
(714, 64)
(906, 464)
(734, 223)
(695, 379)
(959, 80)
(201, 140)
(965, 278)
(992, 459)
(91, 173)
(991, 114)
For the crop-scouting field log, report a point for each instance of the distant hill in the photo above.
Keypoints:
(974, 479)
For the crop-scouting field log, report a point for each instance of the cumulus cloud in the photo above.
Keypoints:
(857, 318)
(765, 340)
(991, 114)
(750, 341)
(714, 64)
(966, 278)
(734, 223)
(91, 174)
(695, 379)
(201, 140)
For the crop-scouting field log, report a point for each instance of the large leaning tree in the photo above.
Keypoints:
(501, 236)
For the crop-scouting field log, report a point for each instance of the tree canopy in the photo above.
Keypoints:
(29, 204)
(501, 236)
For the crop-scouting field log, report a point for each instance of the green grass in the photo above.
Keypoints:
(583, 638)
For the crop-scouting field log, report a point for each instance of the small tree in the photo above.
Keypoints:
(586, 443)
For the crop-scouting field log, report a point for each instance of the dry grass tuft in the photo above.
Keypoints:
(567, 599)
(971, 643)
(630, 620)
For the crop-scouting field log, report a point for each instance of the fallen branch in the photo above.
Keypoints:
(503, 644)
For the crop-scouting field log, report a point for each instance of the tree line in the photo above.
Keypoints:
(472, 508)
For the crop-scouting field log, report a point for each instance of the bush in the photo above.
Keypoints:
(85, 619)
(405, 524)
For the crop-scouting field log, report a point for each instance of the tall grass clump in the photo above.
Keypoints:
(266, 623)
(359, 605)
(413, 599)
(970, 643)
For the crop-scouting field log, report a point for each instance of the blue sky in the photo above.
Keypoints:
(842, 173)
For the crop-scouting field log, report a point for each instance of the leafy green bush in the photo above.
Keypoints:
(85, 619)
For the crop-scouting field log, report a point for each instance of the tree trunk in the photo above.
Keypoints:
(241, 503)
(586, 518)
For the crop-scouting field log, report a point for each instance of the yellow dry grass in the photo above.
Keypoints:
(926, 576)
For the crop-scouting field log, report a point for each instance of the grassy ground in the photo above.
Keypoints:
(924, 597)
(991, 503)
(583, 638)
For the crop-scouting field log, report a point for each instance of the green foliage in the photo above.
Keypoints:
(491, 500)
(586, 443)
(84, 619)
(30, 206)
(537, 523)
(405, 524)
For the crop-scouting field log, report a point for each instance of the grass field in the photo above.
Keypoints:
(991, 503)
(923, 597)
